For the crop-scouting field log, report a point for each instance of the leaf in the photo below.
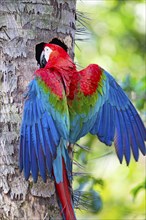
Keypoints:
(137, 189)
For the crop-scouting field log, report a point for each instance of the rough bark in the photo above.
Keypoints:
(25, 23)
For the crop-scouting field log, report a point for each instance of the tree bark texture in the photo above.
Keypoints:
(23, 24)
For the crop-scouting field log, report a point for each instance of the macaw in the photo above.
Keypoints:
(62, 105)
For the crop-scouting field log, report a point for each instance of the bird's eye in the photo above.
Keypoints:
(46, 49)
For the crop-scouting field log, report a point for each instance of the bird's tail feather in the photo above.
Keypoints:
(65, 196)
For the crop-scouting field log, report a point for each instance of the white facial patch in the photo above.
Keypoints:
(47, 52)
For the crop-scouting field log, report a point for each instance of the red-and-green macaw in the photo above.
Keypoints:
(62, 105)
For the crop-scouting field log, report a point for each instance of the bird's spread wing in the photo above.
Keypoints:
(45, 124)
(103, 109)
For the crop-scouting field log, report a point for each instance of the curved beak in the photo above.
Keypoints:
(43, 61)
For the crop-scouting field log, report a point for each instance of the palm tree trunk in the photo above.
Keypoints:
(24, 24)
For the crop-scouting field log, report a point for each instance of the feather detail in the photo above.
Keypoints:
(41, 157)
(39, 132)
(26, 158)
(101, 107)
(118, 140)
(34, 164)
(126, 140)
(139, 129)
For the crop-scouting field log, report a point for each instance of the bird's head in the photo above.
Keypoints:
(50, 53)
(45, 55)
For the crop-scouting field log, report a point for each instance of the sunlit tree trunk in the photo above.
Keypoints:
(23, 24)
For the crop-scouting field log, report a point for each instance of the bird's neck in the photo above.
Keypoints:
(65, 68)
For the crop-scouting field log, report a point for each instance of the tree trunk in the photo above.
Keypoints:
(24, 24)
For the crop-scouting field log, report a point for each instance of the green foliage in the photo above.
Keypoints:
(116, 41)
(137, 87)
(139, 187)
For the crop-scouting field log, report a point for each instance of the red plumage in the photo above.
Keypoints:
(89, 78)
(65, 197)
(52, 80)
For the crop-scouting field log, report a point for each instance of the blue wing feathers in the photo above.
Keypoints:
(34, 138)
(39, 137)
(106, 126)
(48, 136)
(53, 146)
(101, 122)
(34, 163)
(98, 121)
(106, 120)
(118, 120)
(126, 141)
(34, 112)
(109, 129)
(39, 108)
(123, 99)
(49, 160)
(29, 141)
(112, 97)
(68, 163)
(53, 130)
(41, 158)
(118, 139)
(139, 122)
(131, 135)
(49, 156)
(137, 129)
(26, 158)
(57, 166)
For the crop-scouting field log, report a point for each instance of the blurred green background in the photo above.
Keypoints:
(114, 39)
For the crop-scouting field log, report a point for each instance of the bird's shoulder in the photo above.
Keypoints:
(50, 79)
(90, 78)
